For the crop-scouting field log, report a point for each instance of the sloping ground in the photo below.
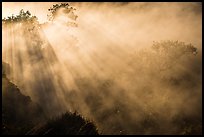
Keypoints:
(19, 113)
(67, 124)
(21, 116)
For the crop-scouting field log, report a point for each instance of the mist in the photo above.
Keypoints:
(105, 68)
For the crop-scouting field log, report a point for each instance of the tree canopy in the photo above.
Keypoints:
(67, 10)
(21, 17)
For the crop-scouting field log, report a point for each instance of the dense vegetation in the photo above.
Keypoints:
(163, 69)
(66, 124)
(22, 116)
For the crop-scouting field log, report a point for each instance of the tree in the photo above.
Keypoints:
(176, 47)
(22, 17)
(67, 10)
(169, 52)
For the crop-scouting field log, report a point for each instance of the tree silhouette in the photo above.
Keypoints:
(169, 52)
(175, 48)
(20, 18)
(67, 10)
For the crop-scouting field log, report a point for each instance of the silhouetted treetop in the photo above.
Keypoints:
(66, 124)
(57, 10)
(177, 47)
(21, 17)
(67, 10)
(169, 52)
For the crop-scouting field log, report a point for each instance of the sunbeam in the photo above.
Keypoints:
(130, 68)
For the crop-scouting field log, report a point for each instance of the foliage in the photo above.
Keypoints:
(68, 11)
(19, 113)
(169, 52)
(164, 55)
(169, 46)
(20, 116)
(66, 124)
(22, 17)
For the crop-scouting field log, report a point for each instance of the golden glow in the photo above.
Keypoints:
(104, 54)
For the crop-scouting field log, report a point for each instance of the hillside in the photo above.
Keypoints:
(22, 116)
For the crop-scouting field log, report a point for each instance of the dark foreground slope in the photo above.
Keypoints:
(19, 113)
(22, 116)
(66, 124)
